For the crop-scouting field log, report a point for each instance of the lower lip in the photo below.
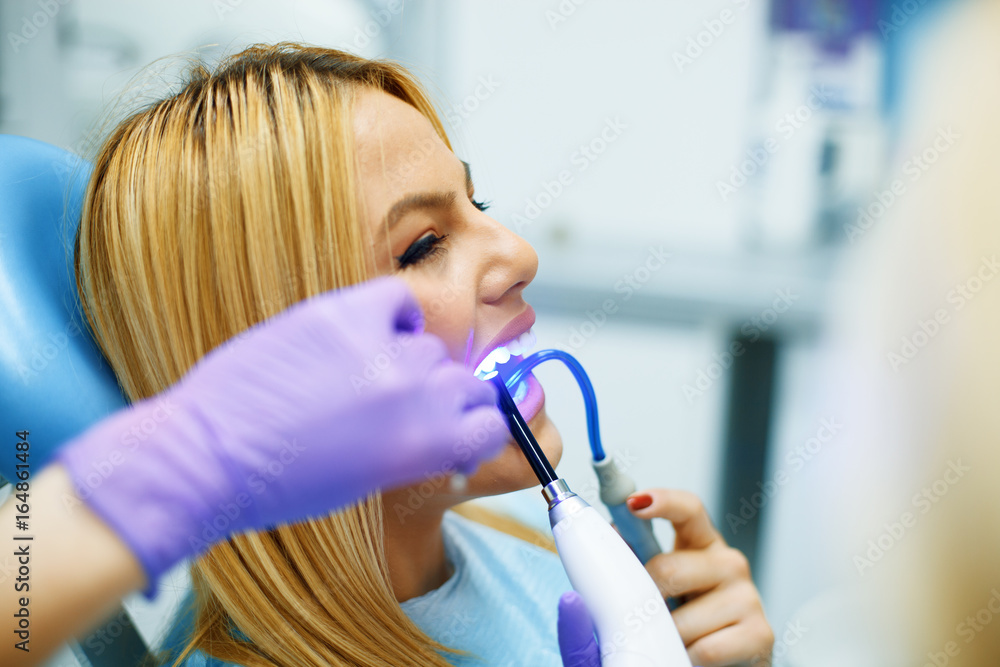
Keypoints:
(533, 399)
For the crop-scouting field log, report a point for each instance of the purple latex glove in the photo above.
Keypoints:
(576, 633)
(305, 413)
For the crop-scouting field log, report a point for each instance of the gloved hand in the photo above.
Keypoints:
(577, 644)
(576, 633)
(305, 413)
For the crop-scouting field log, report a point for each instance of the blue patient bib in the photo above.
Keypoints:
(501, 601)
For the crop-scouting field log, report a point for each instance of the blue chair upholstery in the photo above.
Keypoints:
(54, 382)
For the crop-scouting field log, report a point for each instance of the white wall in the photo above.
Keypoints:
(560, 83)
(69, 73)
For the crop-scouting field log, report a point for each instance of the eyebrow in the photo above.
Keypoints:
(425, 200)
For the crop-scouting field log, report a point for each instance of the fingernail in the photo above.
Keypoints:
(641, 501)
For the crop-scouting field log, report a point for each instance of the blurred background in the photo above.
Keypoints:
(692, 175)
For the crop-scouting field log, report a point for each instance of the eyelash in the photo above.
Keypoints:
(421, 249)
(430, 244)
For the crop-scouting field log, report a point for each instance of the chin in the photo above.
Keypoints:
(510, 470)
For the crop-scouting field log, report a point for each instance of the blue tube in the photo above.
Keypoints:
(589, 399)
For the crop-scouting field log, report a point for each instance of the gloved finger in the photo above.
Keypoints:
(422, 353)
(481, 435)
(577, 643)
(477, 392)
(469, 392)
(408, 316)
(455, 391)
(387, 297)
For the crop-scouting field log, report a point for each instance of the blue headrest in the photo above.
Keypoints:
(54, 382)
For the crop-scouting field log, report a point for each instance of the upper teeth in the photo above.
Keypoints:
(522, 343)
(502, 354)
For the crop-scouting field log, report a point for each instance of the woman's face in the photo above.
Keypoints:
(467, 270)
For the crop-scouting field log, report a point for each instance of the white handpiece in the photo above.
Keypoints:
(634, 626)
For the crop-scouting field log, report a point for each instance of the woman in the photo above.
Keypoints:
(291, 171)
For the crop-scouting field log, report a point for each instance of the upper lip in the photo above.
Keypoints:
(512, 330)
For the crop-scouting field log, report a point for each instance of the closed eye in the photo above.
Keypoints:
(424, 247)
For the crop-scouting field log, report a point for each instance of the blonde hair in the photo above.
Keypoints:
(208, 212)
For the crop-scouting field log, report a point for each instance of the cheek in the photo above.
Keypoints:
(449, 314)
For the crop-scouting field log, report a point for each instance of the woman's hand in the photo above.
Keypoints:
(721, 621)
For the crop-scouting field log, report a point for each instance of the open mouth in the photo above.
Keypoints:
(502, 361)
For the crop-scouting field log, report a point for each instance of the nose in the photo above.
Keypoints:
(507, 267)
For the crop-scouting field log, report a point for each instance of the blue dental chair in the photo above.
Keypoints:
(54, 381)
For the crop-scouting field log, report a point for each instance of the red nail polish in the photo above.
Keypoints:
(642, 501)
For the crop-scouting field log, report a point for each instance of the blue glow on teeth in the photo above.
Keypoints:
(501, 355)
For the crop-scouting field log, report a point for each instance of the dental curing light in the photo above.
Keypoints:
(615, 485)
(523, 436)
(634, 627)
